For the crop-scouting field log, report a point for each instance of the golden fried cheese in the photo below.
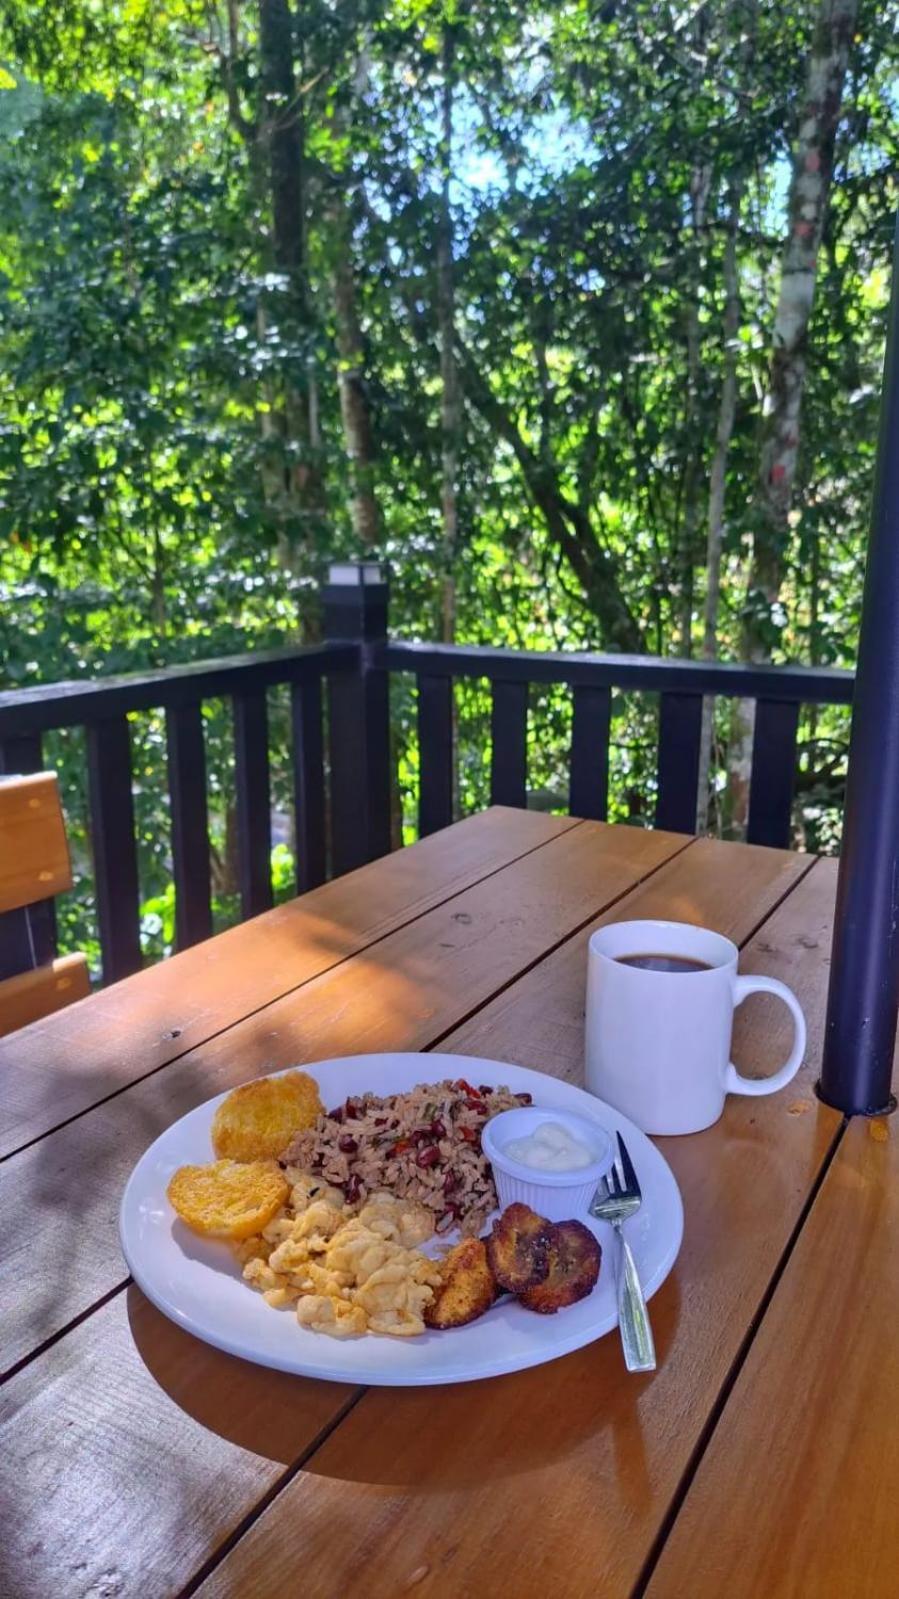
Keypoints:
(228, 1198)
(258, 1120)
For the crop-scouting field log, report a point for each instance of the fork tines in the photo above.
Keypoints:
(631, 1184)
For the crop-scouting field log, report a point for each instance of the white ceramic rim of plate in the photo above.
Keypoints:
(318, 1356)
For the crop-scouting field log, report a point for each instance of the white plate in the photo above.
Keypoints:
(197, 1282)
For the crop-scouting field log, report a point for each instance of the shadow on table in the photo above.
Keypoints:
(268, 1413)
(509, 1425)
(583, 1405)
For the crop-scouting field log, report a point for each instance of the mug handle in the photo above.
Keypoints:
(733, 1082)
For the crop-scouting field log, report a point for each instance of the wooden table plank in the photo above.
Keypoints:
(796, 1494)
(403, 993)
(192, 1419)
(570, 1468)
(58, 1067)
(118, 1432)
(732, 888)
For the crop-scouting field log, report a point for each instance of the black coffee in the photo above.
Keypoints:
(664, 963)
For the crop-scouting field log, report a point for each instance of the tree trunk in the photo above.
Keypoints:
(451, 401)
(296, 470)
(807, 209)
(727, 410)
(700, 184)
(358, 432)
(806, 212)
(568, 525)
(157, 601)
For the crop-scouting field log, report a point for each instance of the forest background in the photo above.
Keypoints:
(571, 313)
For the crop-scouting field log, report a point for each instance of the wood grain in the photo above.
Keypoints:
(61, 1066)
(402, 993)
(570, 1468)
(34, 859)
(42, 991)
(125, 1459)
(796, 1494)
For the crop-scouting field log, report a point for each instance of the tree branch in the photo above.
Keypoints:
(566, 523)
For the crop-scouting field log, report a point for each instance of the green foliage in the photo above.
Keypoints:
(154, 354)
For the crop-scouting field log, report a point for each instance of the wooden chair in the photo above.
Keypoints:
(34, 866)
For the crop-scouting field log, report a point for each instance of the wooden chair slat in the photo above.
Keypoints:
(31, 995)
(34, 854)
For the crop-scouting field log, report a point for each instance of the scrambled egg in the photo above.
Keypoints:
(346, 1273)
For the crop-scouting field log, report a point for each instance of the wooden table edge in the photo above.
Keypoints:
(569, 824)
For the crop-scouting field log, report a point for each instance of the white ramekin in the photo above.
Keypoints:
(557, 1195)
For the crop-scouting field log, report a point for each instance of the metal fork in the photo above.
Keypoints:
(618, 1197)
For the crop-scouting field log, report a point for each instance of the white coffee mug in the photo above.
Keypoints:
(658, 1041)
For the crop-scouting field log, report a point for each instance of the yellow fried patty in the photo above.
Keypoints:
(258, 1120)
(228, 1199)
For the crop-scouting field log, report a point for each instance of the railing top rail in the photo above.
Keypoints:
(52, 705)
(800, 684)
(67, 704)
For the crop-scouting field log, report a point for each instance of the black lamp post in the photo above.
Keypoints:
(863, 1002)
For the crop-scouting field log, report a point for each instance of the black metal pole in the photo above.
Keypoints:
(355, 611)
(863, 1002)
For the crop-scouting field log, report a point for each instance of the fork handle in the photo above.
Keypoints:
(633, 1319)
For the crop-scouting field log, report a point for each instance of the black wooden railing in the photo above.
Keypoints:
(341, 748)
(778, 692)
(101, 707)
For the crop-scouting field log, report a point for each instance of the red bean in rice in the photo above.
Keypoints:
(423, 1145)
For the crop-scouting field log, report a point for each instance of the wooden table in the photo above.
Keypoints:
(756, 1461)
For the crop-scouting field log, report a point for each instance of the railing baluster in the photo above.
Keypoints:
(680, 729)
(115, 852)
(591, 721)
(509, 729)
(773, 773)
(190, 823)
(308, 783)
(254, 828)
(17, 952)
(21, 754)
(435, 753)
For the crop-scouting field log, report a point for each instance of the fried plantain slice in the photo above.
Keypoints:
(467, 1288)
(259, 1119)
(228, 1199)
(574, 1261)
(517, 1249)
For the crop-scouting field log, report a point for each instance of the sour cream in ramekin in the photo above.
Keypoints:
(550, 1147)
(561, 1192)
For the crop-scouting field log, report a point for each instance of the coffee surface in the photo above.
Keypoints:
(664, 963)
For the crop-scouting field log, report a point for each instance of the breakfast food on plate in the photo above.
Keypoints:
(574, 1257)
(466, 1287)
(518, 1249)
(346, 1273)
(331, 1227)
(557, 1262)
(423, 1145)
(258, 1119)
(228, 1198)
